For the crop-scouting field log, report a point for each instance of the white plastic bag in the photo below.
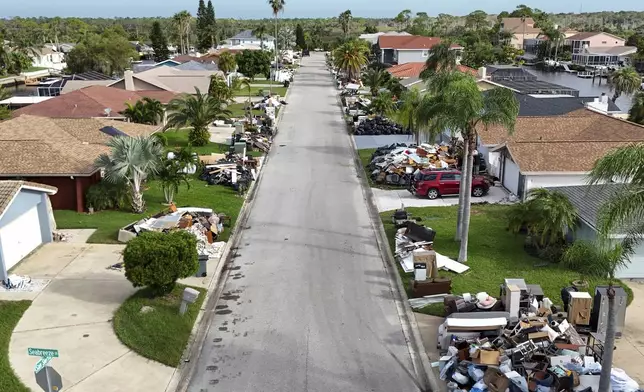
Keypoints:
(621, 382)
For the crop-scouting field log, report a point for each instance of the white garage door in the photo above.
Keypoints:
(511, 176)
(20, 237)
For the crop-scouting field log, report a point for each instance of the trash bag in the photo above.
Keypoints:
(621, 382)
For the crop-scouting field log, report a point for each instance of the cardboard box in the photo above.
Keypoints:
(495, 380)
(489, 357)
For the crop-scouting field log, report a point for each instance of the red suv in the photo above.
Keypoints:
(434, 183)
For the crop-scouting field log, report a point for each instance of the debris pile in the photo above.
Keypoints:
(380, 126)
(234, 170)
(396, 164)
(17, 283)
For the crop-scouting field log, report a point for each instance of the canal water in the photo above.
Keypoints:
(585, 86)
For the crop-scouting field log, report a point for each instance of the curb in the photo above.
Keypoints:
(182, 375)
(424, 375)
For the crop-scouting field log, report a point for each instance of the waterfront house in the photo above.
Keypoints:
(397, 49)
(598, 48)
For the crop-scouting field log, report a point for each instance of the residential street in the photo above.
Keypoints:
(308, 305)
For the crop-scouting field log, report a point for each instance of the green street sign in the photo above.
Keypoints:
(42, 352)
(41, 364)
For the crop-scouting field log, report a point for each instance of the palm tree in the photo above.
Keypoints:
(407, 113)
(375, 79)
(441, 58)
(344, 19)
(245, 83)
(455, 103)
(154, 110)
(198, 112)
(219, 89)
(5, 113)
(181, 21)
(145, 111)
(350, 57)
(624, 81)
(227, 63)
(260, 32)
(382, 105)
(131, 160)
(636, 113)
(172, 175)
(277, 6)
(603, 258)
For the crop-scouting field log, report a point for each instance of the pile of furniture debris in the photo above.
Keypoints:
(379, 126)
(233, 170)
(396, 164)
(203, 223)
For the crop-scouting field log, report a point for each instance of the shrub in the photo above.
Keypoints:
(161, 138)
(260, 92)
(199, 137)
(158, 260)
(107, 196)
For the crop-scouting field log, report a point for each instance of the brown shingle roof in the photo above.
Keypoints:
(570, 143)
(588, 34)
(409, 42)
(8, 189)
(91, 102)
(33, 145)
(411, 70)
(515, 25)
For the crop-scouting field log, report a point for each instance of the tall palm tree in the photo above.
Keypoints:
(375, 78)
(455, 103)
(350, 57)
(182, 21)
(277, 6)
(441, 58)
(197, 111)
(131, 160)
(344, 19)
(260, 32)
(636, 113)
(407, 113)
(624, 81)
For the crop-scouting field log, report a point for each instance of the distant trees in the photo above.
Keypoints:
(261, 32)
(109, 53)
(476, 20)
(206, 26)
(344, 20)
(159, 42)
(181, 21)
(300, 41)
(402, 19)
(370, 29)
(253, 62)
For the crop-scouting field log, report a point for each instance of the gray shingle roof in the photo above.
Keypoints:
(248, 34)
(588, 199)
(531, 106)
(197, 66)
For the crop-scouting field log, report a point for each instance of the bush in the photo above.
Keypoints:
(161, 138)
(586, 258)
(158, 260)
(199, 137)
(107, 196)
(260, 92)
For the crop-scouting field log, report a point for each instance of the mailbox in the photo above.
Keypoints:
(190, 295)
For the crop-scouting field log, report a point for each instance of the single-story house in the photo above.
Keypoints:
(372, 38)
(26, 220)
(588, 199)
(92, 101)
(409, 74)
(60, 152)
(401, 49)
(552, 151)
(168, 79)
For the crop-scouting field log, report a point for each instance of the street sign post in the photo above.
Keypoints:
(41, 364)
(42, 352)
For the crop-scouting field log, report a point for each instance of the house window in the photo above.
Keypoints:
(425, 53)
(603, 42)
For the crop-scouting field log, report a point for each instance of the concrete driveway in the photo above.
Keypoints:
(73, 314)
(309, 306)
(388, 200)
(630, 348)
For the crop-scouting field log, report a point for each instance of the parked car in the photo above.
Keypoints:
(434, 183)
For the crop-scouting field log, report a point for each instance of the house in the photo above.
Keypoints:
(145, 51)
(168, 79)
(91, 102)
(519, 79)
(373, 38)
(247, 37)
(598, 48)
(520, 29)
(409, 73)
(54, 87)
(46, 57)
(60, 152)
(197, 66)
(62, 47)
(26, 221)
(531, 45)
(588, 200)
(552, 151)
(401, 49)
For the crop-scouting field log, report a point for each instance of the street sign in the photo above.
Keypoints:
(41, 364)
(42, 352)
(49, 380)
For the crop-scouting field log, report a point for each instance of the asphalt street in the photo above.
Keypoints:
(308, 305)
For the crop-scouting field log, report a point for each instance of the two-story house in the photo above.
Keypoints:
(46, 57)
(598, 48)
(247, 37)
(407, 48)
(519, 29)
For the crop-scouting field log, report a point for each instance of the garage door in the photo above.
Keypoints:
(20, 236)
(511, 176)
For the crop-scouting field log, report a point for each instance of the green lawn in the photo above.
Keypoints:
(11, 312)
(179, 138)
(237, 110)
(494, 254)
(272, 82)
(162, 334)
(34, 69)
(281, 91)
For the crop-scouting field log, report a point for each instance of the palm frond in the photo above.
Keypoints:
(622, 164)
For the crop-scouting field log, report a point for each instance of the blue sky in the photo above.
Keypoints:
(294, 8)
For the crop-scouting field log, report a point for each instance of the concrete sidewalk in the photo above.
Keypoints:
(389, 200)
(629, 354)
(73, 314)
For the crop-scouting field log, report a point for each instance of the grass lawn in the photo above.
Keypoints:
(264, 81)
(179, 138)
(11, 312)
(494, 254)
(161, 334)
(238, 110)
(281, 91)
(33, 69)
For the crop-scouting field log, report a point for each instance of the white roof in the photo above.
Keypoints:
(23, 100)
